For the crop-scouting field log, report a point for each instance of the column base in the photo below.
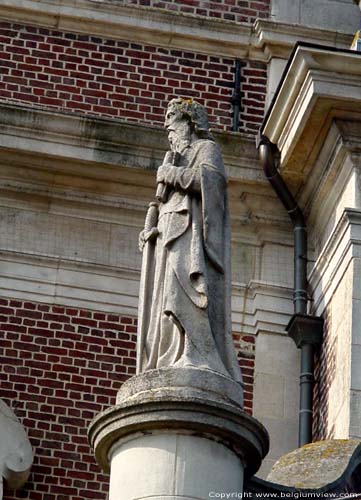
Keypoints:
(177, 433)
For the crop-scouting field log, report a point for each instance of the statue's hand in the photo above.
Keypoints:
(141, 241)
(162, 172)
(145, 236)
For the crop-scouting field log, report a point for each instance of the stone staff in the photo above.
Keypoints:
(171, 158)
(146, 279)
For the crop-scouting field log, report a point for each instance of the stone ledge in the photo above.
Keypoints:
(171, 29)
(139, 24)
(118, 159)
(65, 141)
(69, 283)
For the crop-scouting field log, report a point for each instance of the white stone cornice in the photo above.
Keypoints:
(278, 39)
(69, 143)
(139, 24)
(339, 154)
(26, 276)
(261, 306)
(65, 282)
(320, 85)
(169, 29)
(91, 161)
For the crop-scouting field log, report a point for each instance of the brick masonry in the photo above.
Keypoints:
(325, 371)
(111, 78)
(60, 367)
(243, 11)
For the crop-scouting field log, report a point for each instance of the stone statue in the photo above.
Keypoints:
(184, 309)
(182, 416)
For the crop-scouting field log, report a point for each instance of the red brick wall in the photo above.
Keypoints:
(60, 367)
(244, 11)
(325, 370)
(109, 78)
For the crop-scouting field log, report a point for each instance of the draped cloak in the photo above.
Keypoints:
(190, 310)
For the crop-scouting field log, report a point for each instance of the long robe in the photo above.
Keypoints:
(190, 316)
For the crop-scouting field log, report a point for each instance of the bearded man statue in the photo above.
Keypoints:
(185, 299)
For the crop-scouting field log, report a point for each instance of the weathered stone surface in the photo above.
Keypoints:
(209, 35)
(327, 14)
(179, 381)
(158, 400)
(173, 465)
(185, 293)
(276, 394)
(182, 417)
(16, 455)
(316, 465)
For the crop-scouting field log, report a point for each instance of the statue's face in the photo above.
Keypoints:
(174, 118)
(178, 128)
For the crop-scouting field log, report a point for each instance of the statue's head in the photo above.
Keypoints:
(186, 112)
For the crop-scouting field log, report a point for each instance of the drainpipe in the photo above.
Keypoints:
(304, 329)
(236, 96)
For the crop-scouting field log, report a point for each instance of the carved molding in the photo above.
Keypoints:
(69, 143)
(154, 26)
(343, 245)
(320, 85)
(277, 39)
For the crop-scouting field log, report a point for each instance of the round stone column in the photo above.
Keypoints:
(172, 465)
(177, 433)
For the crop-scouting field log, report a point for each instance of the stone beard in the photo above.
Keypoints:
(185, 316)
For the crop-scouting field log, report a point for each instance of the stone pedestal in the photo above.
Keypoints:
(177, 433)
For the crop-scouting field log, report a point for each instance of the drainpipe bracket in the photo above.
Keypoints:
(305, 329)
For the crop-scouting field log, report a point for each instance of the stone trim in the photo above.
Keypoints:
(60, 138)
(278, 39)
(342, 246)
(174, 30)
(272, 307)
(312, 94)
(139, 24)
(69, 283)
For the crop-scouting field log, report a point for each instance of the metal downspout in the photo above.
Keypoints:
(305, 330)
(236, 95)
